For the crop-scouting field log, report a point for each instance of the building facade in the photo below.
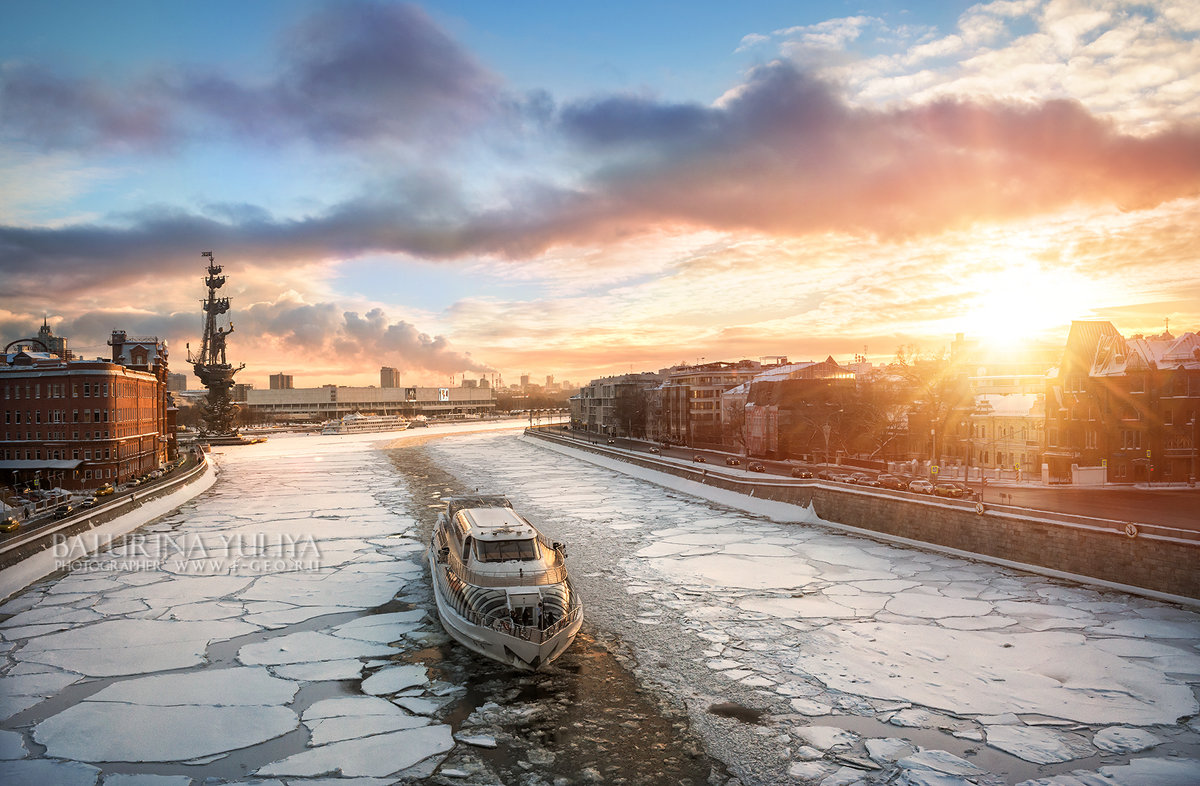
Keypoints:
(690, 410)
(281, 381)
(617, 405)
(80, 424)
(1128, 409)
(389, 377)
(330, 402)
(791, 411)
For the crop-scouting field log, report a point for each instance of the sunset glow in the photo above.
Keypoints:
(468, 188)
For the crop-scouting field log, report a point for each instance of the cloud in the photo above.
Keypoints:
(783, 154)
(350, 73)
(348, 340)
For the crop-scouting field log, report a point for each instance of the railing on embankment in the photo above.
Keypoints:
(23, 544)
(1142, 555)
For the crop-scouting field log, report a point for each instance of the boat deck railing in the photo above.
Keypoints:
(505, 624)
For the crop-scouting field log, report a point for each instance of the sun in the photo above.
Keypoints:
(1019, 300)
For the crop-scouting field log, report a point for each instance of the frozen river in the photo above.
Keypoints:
(278, 629)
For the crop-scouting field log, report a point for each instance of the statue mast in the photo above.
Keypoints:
(210, 366)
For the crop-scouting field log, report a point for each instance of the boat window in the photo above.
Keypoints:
(466, 552)
(503, 550)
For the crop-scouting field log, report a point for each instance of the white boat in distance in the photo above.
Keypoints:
(501, 589)
(356, 423)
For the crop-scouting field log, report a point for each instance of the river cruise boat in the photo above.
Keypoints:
(501, 589)
(356, 423)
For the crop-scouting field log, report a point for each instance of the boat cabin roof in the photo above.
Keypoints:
(496, 524)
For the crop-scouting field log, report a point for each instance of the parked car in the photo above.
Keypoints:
(801, 472)
(732, 461)
(921, 486)
(656, 450)
(62, 511)
(948, 490)
(756, 467)
(698, 458)
(9, 524)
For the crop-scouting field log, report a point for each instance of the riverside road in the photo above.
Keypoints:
(1173, 506)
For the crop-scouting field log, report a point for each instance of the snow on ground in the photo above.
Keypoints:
(815, 624)
(194, 636)
(210, 640)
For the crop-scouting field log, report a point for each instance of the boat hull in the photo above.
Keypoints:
(511, 650)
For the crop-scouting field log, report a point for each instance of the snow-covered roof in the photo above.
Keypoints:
(780, 373)
(37, 464)
(497, 524)
(1116, 355)
(1010, 405)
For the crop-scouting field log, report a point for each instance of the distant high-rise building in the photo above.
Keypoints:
(176, 382)
(469, 383)
(484, 383)
(389, 377)
(549, 380)
(524, 380)
(240, 389)
(281, 381)
(55, 345)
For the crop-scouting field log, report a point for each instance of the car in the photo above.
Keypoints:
(90, 502)
(732, 461)
(801, 472)
(756, 467)
(921, 486)
(892, 482)
(827, 474)
(9, 524)
(948, 490)
(62, 511)
(105, 490)
(863, 479)
(655, 450)
(612, 441)
(698, 459)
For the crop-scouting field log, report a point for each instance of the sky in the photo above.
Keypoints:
(491, 190)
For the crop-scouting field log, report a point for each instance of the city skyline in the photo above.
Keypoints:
(467, 188)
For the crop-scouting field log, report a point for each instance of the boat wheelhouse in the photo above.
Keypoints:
(501, 588)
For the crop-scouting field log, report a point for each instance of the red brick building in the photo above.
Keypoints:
(83, 423)
(1130, 405)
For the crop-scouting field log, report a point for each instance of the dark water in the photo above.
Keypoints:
(585, 719)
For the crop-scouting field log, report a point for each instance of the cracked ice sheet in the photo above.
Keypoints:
(117, 647)
(187, 715)
(984, 672)
(378, 755)
(925, 647)
(173, 616)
